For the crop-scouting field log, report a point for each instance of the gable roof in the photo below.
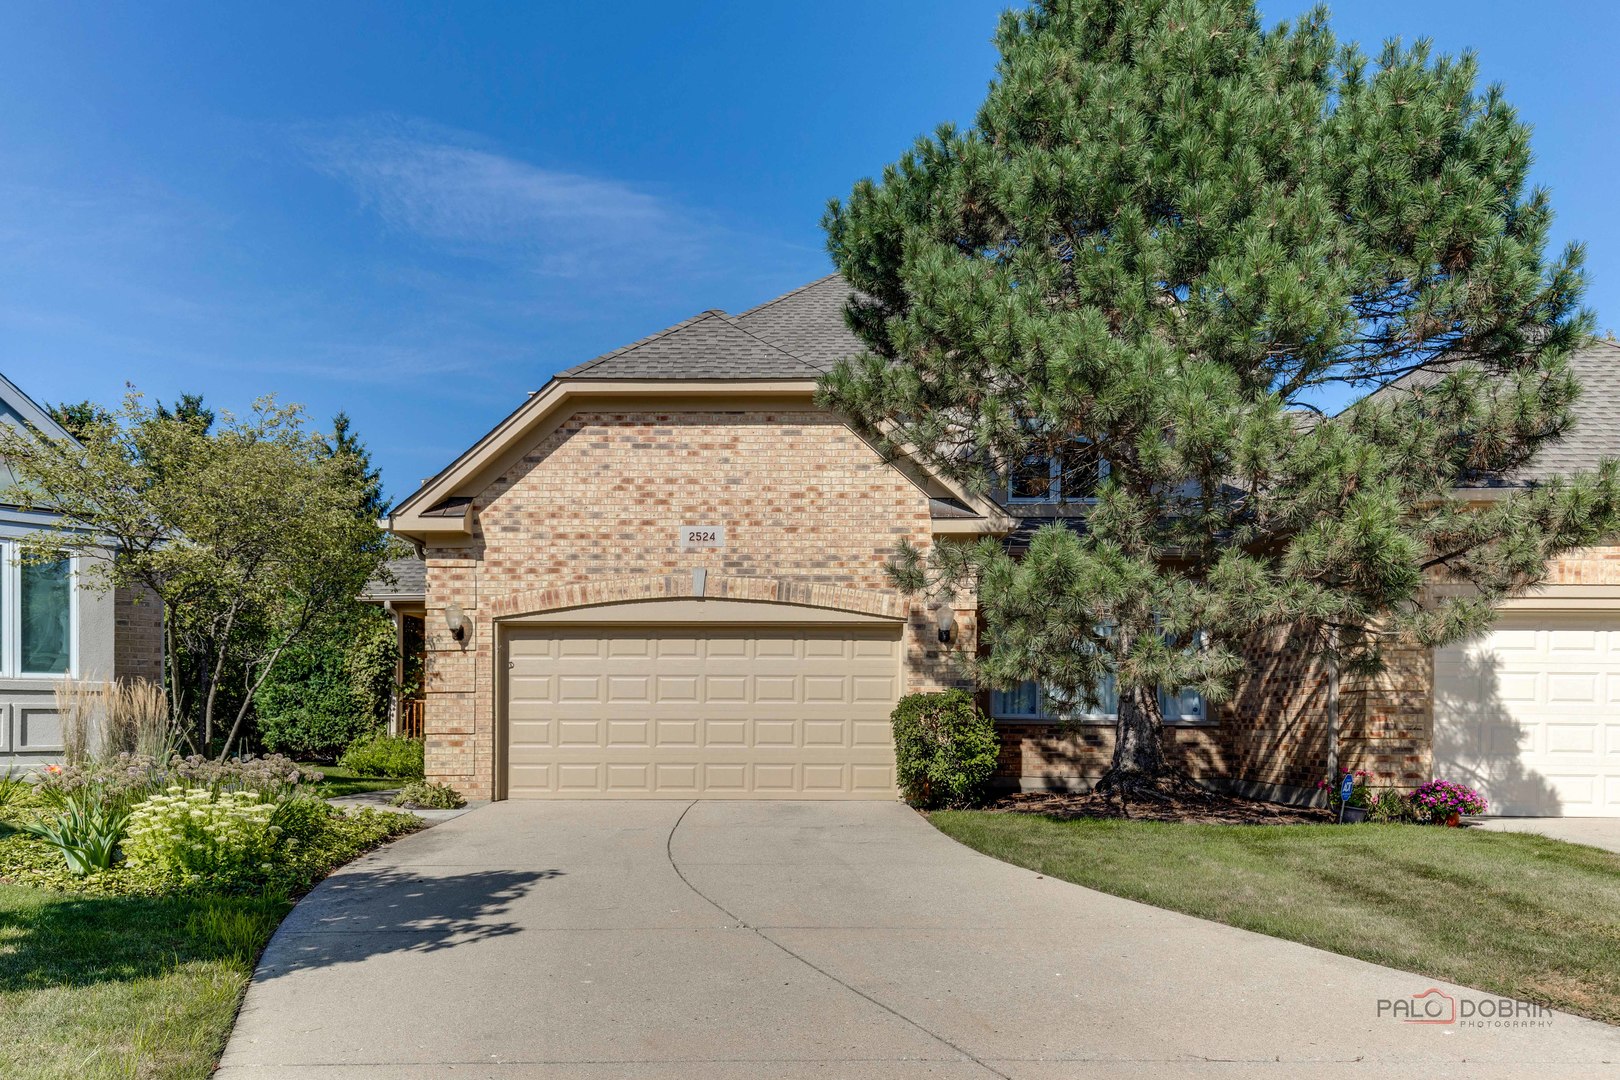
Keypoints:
(19, 411)
(707, 346)
(778, 349)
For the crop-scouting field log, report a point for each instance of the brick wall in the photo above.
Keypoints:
(1273, 735)
(1386, 721)
(1589, 566)
(137, 635)
(803, 500)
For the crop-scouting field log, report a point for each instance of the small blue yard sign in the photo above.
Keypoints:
(1347, 787)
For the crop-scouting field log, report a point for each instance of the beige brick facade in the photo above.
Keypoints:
(590, 514)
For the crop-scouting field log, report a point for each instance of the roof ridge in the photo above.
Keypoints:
(790, 294)
(648, 340)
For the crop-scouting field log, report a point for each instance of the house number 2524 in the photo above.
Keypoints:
(701, 537)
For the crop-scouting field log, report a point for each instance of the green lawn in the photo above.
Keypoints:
(341, 781)
(1510, 913)
(118, 975)
(122, 986)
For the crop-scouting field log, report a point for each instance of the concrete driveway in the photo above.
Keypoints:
(738, 941)
(1593, 832)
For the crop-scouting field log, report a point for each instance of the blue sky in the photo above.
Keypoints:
(418, 212)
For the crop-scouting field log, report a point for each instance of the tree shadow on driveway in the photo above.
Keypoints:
(363, 913)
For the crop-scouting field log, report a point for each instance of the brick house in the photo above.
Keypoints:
(663, 576)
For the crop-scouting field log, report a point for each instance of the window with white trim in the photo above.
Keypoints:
(1028, 701)
(38, 616)
(1070, 476)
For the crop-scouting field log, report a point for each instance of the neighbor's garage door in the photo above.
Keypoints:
(685, 712)
(1530, 714)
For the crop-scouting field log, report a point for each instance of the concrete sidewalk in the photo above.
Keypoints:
(725, 941)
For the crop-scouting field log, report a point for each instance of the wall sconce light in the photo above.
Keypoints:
(456, 619)
(946, 618)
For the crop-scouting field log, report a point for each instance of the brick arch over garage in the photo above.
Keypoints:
(698, 585)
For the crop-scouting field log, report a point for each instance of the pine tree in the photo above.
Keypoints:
(1168, 239)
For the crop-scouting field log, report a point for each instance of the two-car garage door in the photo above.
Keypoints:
(701, 711)
(1530, 714)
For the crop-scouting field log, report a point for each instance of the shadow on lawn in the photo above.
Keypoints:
(369, 912)
(48, 939)
(51, 940)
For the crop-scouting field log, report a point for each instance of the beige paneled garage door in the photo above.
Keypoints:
(682, 712)
(1530, 714)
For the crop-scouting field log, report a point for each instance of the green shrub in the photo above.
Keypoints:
(327, 838)
(331, 688)
(315, 839)
(945, 749)
(1391, 808)
(196, 833)
(381, 754)
(421, 795)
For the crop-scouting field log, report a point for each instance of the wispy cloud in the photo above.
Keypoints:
(466, 198)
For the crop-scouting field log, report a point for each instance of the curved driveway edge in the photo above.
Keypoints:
(721, 940)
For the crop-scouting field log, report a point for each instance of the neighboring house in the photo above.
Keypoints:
(52, 625)
(401, 590)
(663, 576)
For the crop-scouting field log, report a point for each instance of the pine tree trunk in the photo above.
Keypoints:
(1138, 741)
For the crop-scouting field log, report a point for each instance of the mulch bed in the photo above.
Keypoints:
(1197, 808)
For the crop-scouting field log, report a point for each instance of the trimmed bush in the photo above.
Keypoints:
(420, 795)
(945, 749)
(381, 754)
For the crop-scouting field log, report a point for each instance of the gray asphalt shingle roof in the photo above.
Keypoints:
(1596, 431)
(399, 579)
(708, 346)
(1596, 434)
(808, 322)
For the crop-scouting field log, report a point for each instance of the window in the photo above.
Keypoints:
(1027, 702)
(1070, 476)
(38, 615)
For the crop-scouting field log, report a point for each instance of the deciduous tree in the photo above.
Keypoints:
(248, 530)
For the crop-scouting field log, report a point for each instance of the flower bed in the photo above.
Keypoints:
(134, 825)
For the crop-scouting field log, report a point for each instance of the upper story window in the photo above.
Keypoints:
(38, 616)
(1069, 476)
